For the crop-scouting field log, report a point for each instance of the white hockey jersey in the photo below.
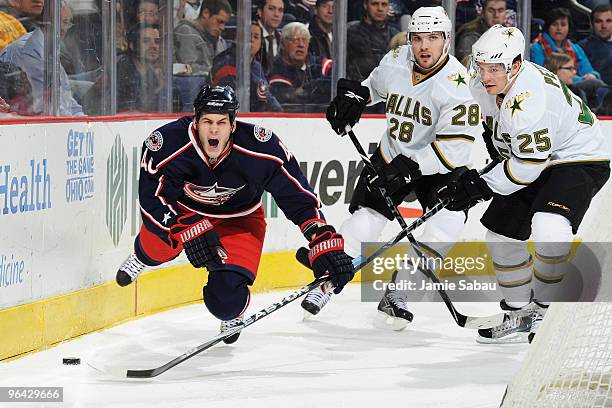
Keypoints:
(431, 118)
(540, 123)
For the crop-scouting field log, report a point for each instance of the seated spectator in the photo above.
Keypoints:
(141, 11)
(28, 53)
(19, 19)
(186, 10)
(224, 73)
(592, 92)
(197, 42)
(15, 89)
(368, 39)
(269, 16)
(320, 28)
(139, 80)
(301, 82)
(598, 46)
(557, 25)
(493, 12)
(303, 10)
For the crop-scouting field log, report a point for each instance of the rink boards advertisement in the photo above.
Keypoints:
(69, 209)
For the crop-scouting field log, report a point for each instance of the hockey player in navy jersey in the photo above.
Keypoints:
(201, 182)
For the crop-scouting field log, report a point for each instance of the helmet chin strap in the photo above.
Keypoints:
(511, 78)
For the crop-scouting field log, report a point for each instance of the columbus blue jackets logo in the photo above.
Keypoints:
(262, 134)
(210, 195)
(155, 141)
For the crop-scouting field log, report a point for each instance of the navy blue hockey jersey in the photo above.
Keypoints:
(177, 177)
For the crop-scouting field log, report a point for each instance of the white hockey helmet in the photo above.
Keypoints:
(498, 45)
(430, 20)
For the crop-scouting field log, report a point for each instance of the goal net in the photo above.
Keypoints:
(569, 363)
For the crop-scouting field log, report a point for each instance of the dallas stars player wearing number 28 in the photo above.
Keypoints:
(552, 159)
(200, 188)
(432, 121)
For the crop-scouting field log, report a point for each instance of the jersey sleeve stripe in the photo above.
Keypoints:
(160, 186)
(441, 157)
(280, 80)
(256, 154)
(298, 185)
(510, 176)
(532, 160)
(173, 155)
(153, 220)
(455, 137)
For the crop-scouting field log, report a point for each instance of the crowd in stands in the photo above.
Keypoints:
(291, 50)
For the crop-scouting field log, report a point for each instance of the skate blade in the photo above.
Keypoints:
(386, 322)
(307, 316)
(514, 338)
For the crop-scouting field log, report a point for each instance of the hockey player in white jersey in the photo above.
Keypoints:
(553, 158)
(432, 122)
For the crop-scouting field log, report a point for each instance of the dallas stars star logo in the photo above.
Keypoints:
(514, 104)
(458, 79)
(509, 32)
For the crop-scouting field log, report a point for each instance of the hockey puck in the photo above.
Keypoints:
(71, 361)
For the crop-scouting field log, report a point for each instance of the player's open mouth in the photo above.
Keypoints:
(213, 143)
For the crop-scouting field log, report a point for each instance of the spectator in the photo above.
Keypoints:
(270, 15)
(139, 77)
(28, 53)
(592, 92)
(368, 39)
(197, 42)
(15, 89)
(320, 28)
(598, 46)
(303, 10)
(186, 10)
(493, 12)
(554, 39)
(19, 19)
(224, 73)
(301, 82)
(142, 11)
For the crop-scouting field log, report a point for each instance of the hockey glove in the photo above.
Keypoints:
(487, 135)
(346, 108)
(395, 175)
(200, 242)
(327, 257)
(467, 190)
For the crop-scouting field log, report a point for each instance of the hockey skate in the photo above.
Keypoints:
(129, 270)
(315, 300)
(392, 310)
(517, 325)
(230, 324)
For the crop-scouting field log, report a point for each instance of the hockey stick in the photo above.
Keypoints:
(470, 322)
(154, 372)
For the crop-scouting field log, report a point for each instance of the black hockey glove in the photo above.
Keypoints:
(487, 135)
(346, 108)
(327, 257)
(200, 241)
(401, 171)
(465, 191)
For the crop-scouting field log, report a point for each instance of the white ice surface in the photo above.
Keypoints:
(340, 359)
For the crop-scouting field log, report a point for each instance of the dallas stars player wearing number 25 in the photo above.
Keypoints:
(552, 159)
(200, 188)
(432, 122)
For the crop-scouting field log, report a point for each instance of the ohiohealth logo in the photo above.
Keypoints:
(116, 190)
(25, 192)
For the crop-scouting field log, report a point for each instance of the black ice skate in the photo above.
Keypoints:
(517, 325)
(129, 270)
(230, 324)
(316, 299)
(392, 310)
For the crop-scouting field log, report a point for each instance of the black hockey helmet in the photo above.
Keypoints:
(216, 99)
